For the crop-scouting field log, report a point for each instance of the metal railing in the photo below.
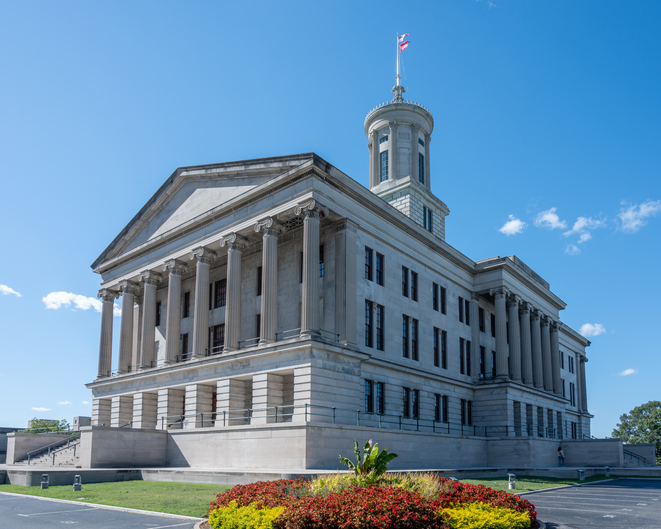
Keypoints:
(328, 335)
(183, 358)
(287, 335)
(212, 351)
(250, 342)
(53, 447)
(633, 456)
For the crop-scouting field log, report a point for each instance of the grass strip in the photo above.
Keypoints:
(529, 483)
(188, 499)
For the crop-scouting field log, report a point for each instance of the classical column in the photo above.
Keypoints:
(235, 244)
(414, 151)
(502, 371)
(144, 410)
(475, 335)
(515, 338)
(373, 146)
(392, 156)
(538, 372)
(555, 358)
(148, 344)
(105, 344)
(584, 390)
(345, 282)
(203, 258)
(269, 310)
(128, 290)
(427, 171)
(173, 316)
(312, 212)
(137, 330)
(526, 346)
(546, 355)
(121, 411)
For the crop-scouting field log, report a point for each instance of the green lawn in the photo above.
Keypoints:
(174, 498)
(528, 483)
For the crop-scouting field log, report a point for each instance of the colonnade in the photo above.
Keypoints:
(235, 243)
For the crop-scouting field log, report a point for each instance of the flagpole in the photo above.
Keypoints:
(397, 52)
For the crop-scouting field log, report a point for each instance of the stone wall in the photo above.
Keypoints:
(102, 447)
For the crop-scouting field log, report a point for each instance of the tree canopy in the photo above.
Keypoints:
(642, 425)
(48, 426)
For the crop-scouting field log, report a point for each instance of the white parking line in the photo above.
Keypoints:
(176, 525)
(54, 512)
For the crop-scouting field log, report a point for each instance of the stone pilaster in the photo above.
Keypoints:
(235, 244)
(536, 331)
(374, 158)
(502, 371)
(137, 333)
(345, 281)
(233, 400)
(121, 410)
(392, 155)
(128, 290)
(269, 308)
(414, 152)
(145, 410)
(105, 343)
(526, 345)
(546, 355)
(475, 333)
(267, 392)
(101, 409)
(555, 358)
(170, 409)
(173, 317)
(515, 338)
(199, 403)
(203, 258)
(427, 166)
(312, 213)
(148, 345)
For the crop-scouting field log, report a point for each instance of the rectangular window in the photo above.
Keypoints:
(158, 313)
(467, 310)
(184, 348)
(480, 315)
(380, 398)
(186, 307)
(445, 409)
(210, 296)
(468, 357)
(562, 360)
(405, 281)
(414, 339)
(383, 139)
(369, 272)
(437, 407)
(493, 325)
(405, 336)
(434, 296)
(406, 402)
(380, 326)
(461, 356)
(483, 359)
(380, 269)
(300, 267)
(444, 349)
(258, 325)
(321, 260)
(415, 403)
(443, 296)
(493, 364)
(259, 280)
(369, 323)
(461, 309)
(383, 173)
(220, 293)
(469, 412)
(437, 355)
(421, 142)
(218, 338)
(421, 168)
(424, 217)
(463, 411)
(572, 394)
(564, 393)
(369, 396)
(428, 218)
(571, 363)
(414, 286)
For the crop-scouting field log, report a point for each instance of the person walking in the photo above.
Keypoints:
(561, 457)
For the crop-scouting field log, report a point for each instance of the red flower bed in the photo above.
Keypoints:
(263, 493)
(458, 493)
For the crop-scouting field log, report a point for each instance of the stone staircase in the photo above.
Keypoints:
(65, 454)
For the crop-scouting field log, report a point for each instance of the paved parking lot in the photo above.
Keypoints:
(619, 504)
(26, 512)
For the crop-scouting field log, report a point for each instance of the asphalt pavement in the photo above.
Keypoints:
(28, 512)
(618, 504)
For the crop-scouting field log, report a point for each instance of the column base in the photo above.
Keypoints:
(266, 342)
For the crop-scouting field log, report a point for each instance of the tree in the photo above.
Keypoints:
(47, 426)
(642, 425)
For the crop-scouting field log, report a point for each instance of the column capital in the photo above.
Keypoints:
(129, 287)
(107, 294)
(374, 135)
(427, 138)
(513, 299)
(500, 291)
(475, 297)
(202, 255)
(346, 225)
(311, 208)
(269, 226)
(392, 125)
(556, 326)
(525, 307)
(150, 277)
(234, 241)
(545, 319)
(414, 127)
(369, 146)
(174, 267)
(535, 313)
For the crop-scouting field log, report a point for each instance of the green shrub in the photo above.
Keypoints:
(481, 516)
(233, 517)
(426, 485)
(372, 464)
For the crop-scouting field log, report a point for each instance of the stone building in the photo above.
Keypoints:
(274, 308)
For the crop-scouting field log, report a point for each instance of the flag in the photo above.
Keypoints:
(403, 46)
(400, 38)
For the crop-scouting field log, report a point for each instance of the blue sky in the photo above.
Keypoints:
(546, 145)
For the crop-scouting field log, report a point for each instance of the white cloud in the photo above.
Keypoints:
(572, 249)
(85, 402)
(592, 329)
(64, 402)
(5, 290)
(549, 219)
(513, 226)
(583, 224)
(633, 217)
(628, 372)
(585, 236)
(56, 300)
(41, 409)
